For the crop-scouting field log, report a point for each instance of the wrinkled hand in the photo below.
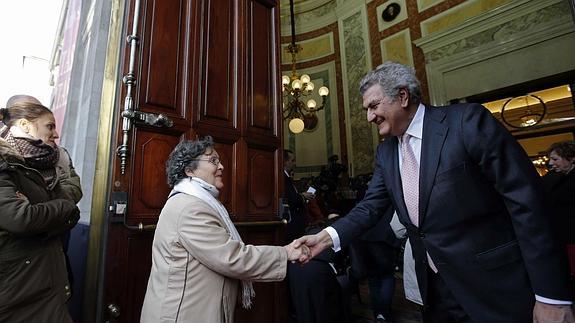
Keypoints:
(548, 313)
(316, 243)
(295, 253)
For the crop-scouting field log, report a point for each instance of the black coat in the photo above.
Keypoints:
(481, 215)
(33, 277)
(560, 192)
(297, 222)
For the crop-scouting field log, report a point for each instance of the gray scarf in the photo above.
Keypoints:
(209, 193)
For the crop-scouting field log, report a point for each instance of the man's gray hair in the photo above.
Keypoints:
(184, 157)
(392, 77)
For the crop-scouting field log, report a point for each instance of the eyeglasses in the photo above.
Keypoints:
(212, 160)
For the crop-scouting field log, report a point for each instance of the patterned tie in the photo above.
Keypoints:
(410, 179)
(410, 184)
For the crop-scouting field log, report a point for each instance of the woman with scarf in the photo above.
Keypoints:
(198, 258)
(38, 206)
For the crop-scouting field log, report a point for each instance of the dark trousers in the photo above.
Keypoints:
(441, 306)
(376, 261)
(316, 294)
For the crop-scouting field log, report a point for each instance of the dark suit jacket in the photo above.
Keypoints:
(296, 227)
(482, 216)
(560, 190)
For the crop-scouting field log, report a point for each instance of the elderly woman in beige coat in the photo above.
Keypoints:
(199, 262)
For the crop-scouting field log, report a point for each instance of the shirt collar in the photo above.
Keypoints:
(415, 128)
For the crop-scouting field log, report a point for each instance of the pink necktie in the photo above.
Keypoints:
(410, 179)
(410, 184)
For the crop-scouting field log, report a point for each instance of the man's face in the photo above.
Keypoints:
(391, 116)
(289, 164)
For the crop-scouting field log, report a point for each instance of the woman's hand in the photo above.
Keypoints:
(294, 253)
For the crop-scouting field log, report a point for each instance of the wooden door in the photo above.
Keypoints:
(211, 67)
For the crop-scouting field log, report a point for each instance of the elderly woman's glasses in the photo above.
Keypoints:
(212, 160)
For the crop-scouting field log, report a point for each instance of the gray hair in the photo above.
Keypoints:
(392, 77)
(184, 157)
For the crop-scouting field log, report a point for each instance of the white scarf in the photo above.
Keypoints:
(208, 193)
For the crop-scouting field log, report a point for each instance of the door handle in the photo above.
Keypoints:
(129, 113)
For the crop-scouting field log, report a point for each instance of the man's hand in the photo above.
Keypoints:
(549, 313)
(295, 253)
(316, 243)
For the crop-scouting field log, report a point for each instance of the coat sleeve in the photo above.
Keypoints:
(506, 165)
(203, 235)
(70, 187)
(20, 217)
(373, 208)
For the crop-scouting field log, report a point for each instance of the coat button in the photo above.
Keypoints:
(67, 287)
(422, 235)
(27, 262)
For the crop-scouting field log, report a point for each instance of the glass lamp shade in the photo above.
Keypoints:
(311, 104)
(296, 84)
(323, 91)
(296, 125)
(310, 86)
(305, 78)
(285, 80)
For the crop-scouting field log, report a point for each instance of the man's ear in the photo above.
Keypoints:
(403, 96)
(189, 172)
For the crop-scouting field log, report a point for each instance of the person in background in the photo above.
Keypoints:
(297, 201)
(67, 184)
(36, 211)
(373, 257)
(199, 261)
(471, 201)
(559, 186)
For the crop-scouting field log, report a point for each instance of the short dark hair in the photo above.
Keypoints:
(22, 110)
(287, 153)
(184, 156)
(565, 149)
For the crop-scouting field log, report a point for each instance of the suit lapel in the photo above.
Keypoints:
(434, 134)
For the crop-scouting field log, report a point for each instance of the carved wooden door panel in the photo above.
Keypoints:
(194, 68)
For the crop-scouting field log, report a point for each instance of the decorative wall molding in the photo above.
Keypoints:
(515, 43)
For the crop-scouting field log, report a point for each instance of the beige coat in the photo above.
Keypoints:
(197, 268)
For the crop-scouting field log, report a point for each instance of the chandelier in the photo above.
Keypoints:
(532, 114)
(296, 89)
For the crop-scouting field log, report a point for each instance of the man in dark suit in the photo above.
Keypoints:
(472, 204)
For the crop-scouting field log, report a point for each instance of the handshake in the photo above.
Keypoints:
(307, 247)
(295, 253)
